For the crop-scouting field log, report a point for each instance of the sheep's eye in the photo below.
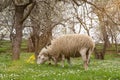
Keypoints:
(38, 57)
(42, 58)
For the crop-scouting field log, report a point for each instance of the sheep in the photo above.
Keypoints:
(67, 46)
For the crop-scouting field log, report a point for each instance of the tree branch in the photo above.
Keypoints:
(29, 11)
(4, 4)
(100, 9)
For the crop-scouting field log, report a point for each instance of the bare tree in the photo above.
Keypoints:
(68, 13)
(113, 28)
(106, 14)
(108, 19)
(43, 23)
(20, 16)
(4, 4)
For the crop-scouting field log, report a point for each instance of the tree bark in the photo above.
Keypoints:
(42, 41)
(98, 54)
(4, 4)
(18, 26)
(17, 34)
(116, 46)
(30, 45)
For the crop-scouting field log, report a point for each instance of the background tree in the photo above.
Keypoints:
(48, 16)
(20, 16)
(61, 16)
(4, 4)
(107, 23)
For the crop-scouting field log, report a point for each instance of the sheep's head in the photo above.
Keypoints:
(43, 56)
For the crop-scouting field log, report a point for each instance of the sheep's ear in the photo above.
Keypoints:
(45, 47)
(49, 56)
(48, 43)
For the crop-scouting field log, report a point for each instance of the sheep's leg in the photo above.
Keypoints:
(55, 61)
(68, 60)
(63, 60)
(49, 62)
(88, 57)
(83, 55)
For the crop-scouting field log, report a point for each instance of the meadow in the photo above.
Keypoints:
(108, 69)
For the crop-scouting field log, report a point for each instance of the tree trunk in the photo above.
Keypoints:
(30, 45)
(37, 46)
(42, 41)
(104, 34)
(17, 32)
(116, 46)
(98, 54)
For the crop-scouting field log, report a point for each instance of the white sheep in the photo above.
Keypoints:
(67, 46)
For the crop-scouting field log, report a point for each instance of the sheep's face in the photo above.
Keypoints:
(42, 57)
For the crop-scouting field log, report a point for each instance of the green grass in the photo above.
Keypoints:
(108, 69)
(5, 46)
(112, 48)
